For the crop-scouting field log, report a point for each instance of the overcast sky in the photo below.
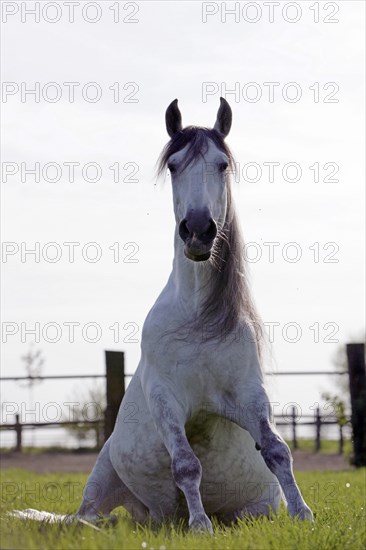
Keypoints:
(296, 88)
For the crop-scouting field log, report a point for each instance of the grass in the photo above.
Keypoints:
(328, 446)
(51, 449)
(336, 498)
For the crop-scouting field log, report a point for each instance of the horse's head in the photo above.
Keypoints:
(198, 160)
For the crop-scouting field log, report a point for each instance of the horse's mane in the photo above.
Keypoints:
(229, 301)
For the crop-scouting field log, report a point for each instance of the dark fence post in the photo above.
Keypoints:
(318, 423)
(294, 439)
(18, 431)
(115, 372)
(341, 440)
(97, 436)
(357, 386)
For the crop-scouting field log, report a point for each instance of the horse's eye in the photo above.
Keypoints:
(223, 166)
(172, 167)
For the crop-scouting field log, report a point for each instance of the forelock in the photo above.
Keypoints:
(197, 139)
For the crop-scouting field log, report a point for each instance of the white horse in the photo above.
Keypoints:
(191, 449)
(202, 412)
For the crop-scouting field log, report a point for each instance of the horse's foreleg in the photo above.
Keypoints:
(254, 415)
(278, 458)
(105, 491)
(169, 419)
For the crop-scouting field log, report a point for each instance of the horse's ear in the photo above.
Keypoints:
(224, 118)
(173, 118)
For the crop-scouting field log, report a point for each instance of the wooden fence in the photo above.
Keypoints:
(19, 427)
(115, 388)
(99, 426)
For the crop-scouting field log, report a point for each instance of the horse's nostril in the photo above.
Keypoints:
(210, 232)
(184, 232)
(203, 230)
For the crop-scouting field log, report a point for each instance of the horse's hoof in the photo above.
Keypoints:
(201, 524)
(304, 513)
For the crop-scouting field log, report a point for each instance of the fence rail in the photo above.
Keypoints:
(65, 376)
(18, 427)
(318, 422)
(50, 377)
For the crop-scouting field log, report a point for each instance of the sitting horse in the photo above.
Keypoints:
(201, 442)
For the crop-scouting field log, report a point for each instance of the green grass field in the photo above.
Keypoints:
(328, 446)
(336, 498)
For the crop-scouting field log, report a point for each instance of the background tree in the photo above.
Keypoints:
(86, 405)
(33, 364)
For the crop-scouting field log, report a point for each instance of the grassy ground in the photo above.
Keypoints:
(336, 498)
(327, 446)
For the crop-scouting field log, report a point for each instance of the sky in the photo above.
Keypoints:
(79, 167)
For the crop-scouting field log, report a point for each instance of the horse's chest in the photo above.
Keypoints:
(203, 378)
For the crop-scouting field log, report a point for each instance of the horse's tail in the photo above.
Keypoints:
(49, 517)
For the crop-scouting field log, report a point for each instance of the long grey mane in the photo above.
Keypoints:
(229, 301)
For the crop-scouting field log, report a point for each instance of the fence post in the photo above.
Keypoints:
(294, 439)
(115, 372)
(318, 423)
(18, 431)
(357, 385)
(341, 440)
(97, 436)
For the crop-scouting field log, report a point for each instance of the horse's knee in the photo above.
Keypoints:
(277, 454)
(186, 468)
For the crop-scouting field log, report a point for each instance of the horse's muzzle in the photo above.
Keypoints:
(196, 255)
(198, 231)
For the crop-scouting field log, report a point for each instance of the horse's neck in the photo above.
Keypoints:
(191, 279)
